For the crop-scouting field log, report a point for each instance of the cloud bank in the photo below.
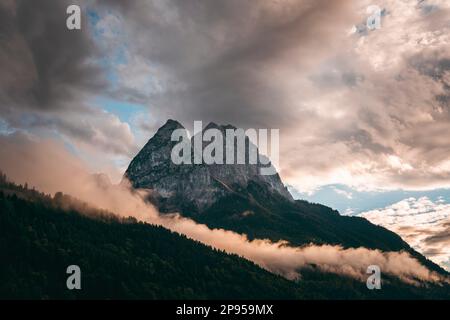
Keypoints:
(423, 223)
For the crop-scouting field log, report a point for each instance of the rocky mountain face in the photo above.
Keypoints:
(193, 187)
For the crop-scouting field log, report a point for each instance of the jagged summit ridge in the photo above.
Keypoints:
(193, 186)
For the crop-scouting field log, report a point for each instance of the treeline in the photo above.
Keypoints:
(117, 260)
(121, 258)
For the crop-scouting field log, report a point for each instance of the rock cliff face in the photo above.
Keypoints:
(193, 187)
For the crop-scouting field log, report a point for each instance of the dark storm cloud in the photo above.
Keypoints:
(44, 65)
(49, 73)
(360, 104)
(223, 53)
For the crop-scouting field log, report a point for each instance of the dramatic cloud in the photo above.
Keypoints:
(379, 108)
(230, 61)
(49, 74)
(369, 108)
(423, 223)
(44, 65)
(25, 160)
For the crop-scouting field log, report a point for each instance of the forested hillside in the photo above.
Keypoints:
(122, 258)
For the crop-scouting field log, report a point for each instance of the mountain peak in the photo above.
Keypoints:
(222, 128)
(170, 125)
(195, 186)
(212, 125)
(164, 133)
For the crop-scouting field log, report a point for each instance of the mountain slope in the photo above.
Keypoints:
(119, 258)
(123, 259)
(236, 197)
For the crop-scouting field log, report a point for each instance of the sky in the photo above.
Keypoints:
(364, 115)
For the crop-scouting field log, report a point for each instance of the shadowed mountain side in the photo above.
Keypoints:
(121, 258)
